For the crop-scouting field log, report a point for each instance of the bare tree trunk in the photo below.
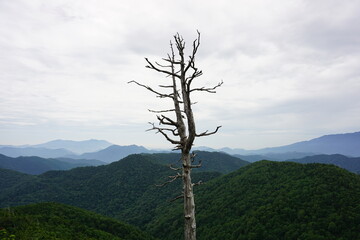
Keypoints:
(182, 128)
(189, 202)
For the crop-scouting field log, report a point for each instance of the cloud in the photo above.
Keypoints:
(290, 69)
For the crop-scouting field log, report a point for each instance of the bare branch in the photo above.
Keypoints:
(198, 183)
(166, 120)
(175, 169)
(172, 179)
(198, 165)
(163, 66)
(152, 66)
(160, 95)
(166, 86)
(206, 133)
(161, 111)
(161, 130)
(176, 198)
(196, 44)
(209, 90)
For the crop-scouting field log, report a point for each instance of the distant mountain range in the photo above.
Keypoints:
(348, 163)
(346, 144)
(34, 151)
(37, 165)
(113, 153)
(78, 147)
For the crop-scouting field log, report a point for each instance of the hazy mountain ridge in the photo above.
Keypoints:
(34, 151)
(37, 165)
(78, 147)
(345, 144)
(114, 153)
(348, 163)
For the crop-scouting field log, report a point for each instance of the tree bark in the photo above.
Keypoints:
(189, 202)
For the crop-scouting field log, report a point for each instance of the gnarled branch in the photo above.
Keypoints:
(207, 133)
(160, 95)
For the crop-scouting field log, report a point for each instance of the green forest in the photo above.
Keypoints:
(262, 200)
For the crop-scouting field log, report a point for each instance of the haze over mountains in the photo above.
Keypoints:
(77, 147)
(346, 144)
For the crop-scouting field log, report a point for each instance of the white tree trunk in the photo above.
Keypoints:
(189, 203)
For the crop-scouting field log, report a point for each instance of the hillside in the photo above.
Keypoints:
(211, 161)
(263, 200)
(348, 163)
(37, 165)
(52, 221)
(271, 201)
(124, 189)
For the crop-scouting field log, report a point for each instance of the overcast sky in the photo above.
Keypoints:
(291, 69)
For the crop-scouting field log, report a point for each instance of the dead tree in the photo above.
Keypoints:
(179, 129)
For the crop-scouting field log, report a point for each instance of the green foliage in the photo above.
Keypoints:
(264, 200)
(211, 161)
(52, 221)
(125, 190)
(268, 200)
(4, 235)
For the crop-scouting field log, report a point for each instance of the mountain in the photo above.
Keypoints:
(348, 163)
(264, 200)
(272, 200)
(34, 151)
(61, 222)
(37, 165)
(211, 161)
(345, 144)
(113, 153)
(274, 156)
(125, 189)
(77, 147)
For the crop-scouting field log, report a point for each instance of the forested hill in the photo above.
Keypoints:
(124, 189)
(270, 201)
(264, 200)
(53, 221)
(211, 161)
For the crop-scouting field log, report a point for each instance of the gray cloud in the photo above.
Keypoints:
(290, 68)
